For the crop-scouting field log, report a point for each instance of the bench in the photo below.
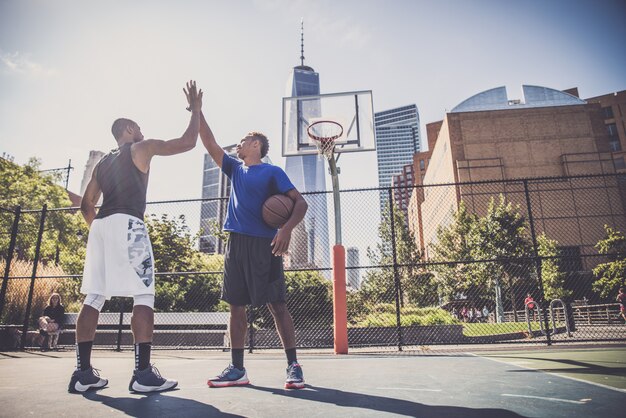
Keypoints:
(179, 329)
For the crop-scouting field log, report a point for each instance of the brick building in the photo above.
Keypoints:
(548, 134)
(420, 165)
(613, 107)
(402, 185)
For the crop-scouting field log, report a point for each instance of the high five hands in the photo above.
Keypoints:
(194, 97)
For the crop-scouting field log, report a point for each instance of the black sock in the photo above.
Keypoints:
(83, 355)
(142, 355)
(291, 355)
(237, 356)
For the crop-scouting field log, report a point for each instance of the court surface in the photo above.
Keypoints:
(466, 382)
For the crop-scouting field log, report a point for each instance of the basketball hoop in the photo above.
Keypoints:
(324, 133)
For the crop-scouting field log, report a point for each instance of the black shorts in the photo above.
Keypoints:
(252, 274)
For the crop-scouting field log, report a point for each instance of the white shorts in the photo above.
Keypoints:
(119, 260)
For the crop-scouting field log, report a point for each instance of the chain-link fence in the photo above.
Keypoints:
(516, 261)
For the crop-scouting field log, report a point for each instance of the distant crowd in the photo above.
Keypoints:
(471, 314)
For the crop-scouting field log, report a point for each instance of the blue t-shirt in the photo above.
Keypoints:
(250, 188)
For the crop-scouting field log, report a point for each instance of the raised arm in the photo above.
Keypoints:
(144, 151)
(208, 140)
(90, 198)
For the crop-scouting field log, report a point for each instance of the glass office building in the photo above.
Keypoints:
(308, 174)
(216, 189)
(397, 139)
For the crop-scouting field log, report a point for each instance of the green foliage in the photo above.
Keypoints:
(553, 278)
(482, 329)
(611, 275)
(174, 247)
(501, 235)
(309, 300)
(65, 232)
(418, 286)
(455, 243)
(384, 315)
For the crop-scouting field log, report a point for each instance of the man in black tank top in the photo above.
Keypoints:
(119, 259)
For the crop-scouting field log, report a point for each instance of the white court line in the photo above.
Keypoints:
(580, 402)
(418, 389)
(555, 374)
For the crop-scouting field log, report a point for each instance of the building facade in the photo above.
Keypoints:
(310, 247)
(550, 134)
(353, 273)
(94, 158)
(397, 140)
(420, 165)
(613, 107)
(215, 188)
(402, 187)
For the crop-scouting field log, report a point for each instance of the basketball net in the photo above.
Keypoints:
(324, 133)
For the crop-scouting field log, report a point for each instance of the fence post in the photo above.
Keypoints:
(119, 329)
(251, 316)
(10, 251)
(42, 222)
(396, 276)
(542, 300)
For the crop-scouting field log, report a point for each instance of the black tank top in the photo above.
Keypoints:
(123, 185)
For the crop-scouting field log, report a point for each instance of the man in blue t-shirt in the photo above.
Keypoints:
(253, 265)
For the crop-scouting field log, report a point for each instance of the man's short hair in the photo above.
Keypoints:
(120, 125)
(265, 144)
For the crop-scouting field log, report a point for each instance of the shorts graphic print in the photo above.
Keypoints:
(139, 251)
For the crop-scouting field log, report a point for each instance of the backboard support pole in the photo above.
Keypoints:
(340, 311)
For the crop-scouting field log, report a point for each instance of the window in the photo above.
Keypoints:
(570, 260)
(607, 112)
(612, 129)
(615, 146)
(422, 164)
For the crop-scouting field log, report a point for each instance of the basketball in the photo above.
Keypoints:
(277, 210)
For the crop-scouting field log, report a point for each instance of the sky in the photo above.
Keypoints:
(68, 68)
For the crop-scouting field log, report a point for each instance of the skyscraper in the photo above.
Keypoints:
(216, 187)
(92, 161)
(353, 274)
(307, 173)
(397, 139)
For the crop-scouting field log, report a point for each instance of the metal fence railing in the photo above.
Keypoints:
(455, 266)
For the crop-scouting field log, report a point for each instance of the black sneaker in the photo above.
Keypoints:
(83, 380)
(150, 380)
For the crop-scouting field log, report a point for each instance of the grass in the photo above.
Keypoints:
(383, 315)
(482, 329)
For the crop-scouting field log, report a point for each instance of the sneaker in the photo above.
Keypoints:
(83, 380)
(150, 380)
(231, 376)
(295, 378)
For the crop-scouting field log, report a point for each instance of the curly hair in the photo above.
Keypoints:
(265, 144)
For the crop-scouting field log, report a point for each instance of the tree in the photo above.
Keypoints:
(451, 251)
(417, 286)
(501, 239)
(65, 232)
(64, 237)
(193, 279)
(309, 300)
(552, 277)
(611, 275)
(502, 234)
